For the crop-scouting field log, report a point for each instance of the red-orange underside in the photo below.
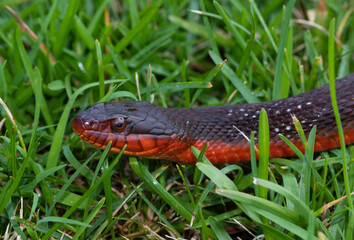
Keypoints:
(219, 152)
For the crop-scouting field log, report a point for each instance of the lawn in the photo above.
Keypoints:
(57, 58)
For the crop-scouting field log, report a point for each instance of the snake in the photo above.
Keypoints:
(157, 132)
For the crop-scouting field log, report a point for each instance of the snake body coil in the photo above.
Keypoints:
(168, 133)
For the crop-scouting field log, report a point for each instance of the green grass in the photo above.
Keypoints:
(170, 53)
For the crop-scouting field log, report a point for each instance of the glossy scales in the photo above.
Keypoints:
(168, 133)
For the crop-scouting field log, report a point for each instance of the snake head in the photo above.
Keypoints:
(136, 124)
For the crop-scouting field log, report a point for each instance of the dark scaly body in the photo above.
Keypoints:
(168, 133)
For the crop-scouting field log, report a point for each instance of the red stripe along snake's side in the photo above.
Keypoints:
(168, 133)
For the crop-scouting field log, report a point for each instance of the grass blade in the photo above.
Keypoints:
(278, 82)
(263, 143)
(244, 90)
(100, 69)
(91, 216)
(218, 229)
(65, 27)
(259, 203)
(150, 181)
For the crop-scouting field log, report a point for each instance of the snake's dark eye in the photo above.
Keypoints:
(118, 124)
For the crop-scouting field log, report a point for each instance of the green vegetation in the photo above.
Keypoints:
(59, 57)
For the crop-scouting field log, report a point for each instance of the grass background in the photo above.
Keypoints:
(59, 57)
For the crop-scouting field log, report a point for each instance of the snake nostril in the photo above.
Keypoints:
(90, 125)
(87, 125)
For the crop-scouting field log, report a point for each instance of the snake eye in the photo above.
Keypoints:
(118, 124)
